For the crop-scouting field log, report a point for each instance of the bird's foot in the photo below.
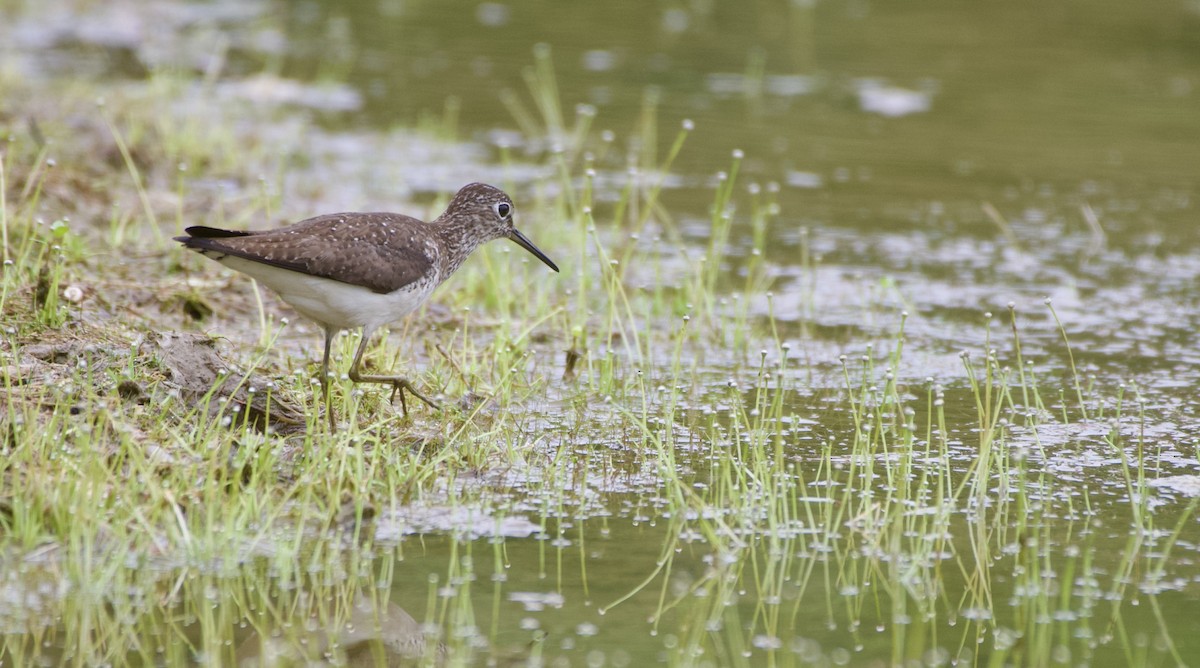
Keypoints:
(399, 385)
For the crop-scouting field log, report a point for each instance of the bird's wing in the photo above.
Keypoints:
(382, 252)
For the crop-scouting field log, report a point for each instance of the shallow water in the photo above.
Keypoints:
(938, 159)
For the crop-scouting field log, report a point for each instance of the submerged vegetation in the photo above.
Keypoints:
(642, 445)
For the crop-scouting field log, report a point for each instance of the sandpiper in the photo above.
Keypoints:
(349, 270)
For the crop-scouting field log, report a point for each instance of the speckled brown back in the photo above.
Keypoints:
(379, 251)
(383, 252)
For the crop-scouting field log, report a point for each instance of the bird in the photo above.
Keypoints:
(352, 270)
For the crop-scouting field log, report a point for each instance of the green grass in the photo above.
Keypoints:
(148, 519)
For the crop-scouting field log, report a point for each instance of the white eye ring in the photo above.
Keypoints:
(502, 209)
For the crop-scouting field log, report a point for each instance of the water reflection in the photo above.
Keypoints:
(368, 632)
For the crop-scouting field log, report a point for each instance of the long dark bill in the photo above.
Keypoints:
(524, 242)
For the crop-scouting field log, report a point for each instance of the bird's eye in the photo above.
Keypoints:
(503, 209)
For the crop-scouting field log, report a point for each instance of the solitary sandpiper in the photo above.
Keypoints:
(348, 270)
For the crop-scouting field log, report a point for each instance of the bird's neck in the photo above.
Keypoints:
(458, 241)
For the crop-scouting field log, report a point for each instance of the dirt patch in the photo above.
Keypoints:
(173, 369)
(199, 374)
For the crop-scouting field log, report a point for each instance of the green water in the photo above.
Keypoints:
(1033, 108)
(892, 131)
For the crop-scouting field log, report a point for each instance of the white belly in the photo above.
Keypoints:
(333, 303)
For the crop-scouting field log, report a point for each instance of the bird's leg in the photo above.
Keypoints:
(330, 332)
(398, 383)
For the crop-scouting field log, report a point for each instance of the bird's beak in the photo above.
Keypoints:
(522, 241)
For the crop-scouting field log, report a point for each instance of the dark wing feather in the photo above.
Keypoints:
(211, 233)
(382, 252)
